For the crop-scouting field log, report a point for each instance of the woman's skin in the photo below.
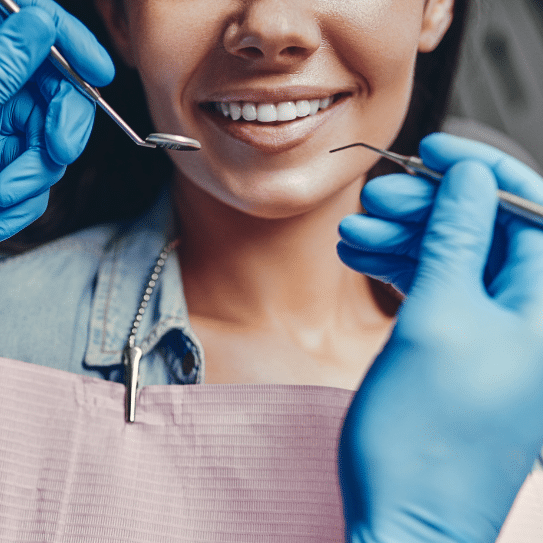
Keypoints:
(258, 206)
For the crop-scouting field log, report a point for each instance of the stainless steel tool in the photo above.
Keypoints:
(168, 141)
(413, 165)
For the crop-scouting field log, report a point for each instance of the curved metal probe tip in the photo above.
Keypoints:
(175, 143)
(413, 165)
(358, 144)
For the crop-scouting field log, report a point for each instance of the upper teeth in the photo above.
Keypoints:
(269, 113)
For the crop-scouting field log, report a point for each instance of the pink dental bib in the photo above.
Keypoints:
(202, 463)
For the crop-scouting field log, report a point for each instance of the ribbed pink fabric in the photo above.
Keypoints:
(202, 463)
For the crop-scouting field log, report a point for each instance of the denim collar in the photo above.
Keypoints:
(121, 279)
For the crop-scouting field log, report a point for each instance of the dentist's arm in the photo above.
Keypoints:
(44, 122)
(448, 421)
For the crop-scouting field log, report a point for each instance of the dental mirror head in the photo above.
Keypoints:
(175, 143)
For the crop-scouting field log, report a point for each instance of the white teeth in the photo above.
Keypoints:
(314, 106)
(248, 111)
(286, 111)
(269, 113)
(325, 102)
(302, 108)
(235, 111)
(266, 113)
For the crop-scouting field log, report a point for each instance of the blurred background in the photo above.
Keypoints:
(500, 78)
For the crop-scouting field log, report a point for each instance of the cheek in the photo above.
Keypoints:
(378, 39)
(173, 39)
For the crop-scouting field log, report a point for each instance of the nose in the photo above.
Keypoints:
(274, 33)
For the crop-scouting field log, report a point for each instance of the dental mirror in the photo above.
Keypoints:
(166, 141)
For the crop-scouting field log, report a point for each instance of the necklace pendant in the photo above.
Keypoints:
(131, 359)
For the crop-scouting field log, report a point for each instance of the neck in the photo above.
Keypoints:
(249, 271)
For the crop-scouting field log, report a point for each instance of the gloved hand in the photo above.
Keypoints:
(385, 243)
(448, 421)
(44, 122)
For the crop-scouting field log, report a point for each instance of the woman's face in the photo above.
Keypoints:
(317, 74)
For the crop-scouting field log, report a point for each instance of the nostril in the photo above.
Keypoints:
(293, 51)
(257, 53)
(252, 52)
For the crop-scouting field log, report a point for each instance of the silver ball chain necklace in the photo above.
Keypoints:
(132, 353)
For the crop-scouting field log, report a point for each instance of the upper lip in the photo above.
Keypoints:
(277, 94)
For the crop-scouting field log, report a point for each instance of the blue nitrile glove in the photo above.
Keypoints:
(44, 122)
(448, 421)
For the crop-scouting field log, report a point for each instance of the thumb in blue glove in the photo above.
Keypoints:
(446, 425)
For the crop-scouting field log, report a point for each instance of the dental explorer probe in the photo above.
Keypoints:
(413, 165)
(168, 141)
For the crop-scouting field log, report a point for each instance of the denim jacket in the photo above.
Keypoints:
(70, 304)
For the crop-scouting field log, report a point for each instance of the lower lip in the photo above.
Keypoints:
(273, 137)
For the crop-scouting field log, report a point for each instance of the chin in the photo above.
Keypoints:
(279, 194)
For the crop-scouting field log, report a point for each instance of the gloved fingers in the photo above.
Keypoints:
(375, 235)
(10, 148)
(456, 244)
(25, 40)
(386, 250)
(519, 283)
(515, 282)
(397, 270)
(69, 117)
(68, 124)
(77, 43)
(33, 171)
(27, 176)
(14, 219)
(15, 114)
(18, 114)
(399, 197)
(515, 177)
(519, 179)
(440, 151)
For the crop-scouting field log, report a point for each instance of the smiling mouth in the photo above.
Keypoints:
(272, 127)
(271, 113)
